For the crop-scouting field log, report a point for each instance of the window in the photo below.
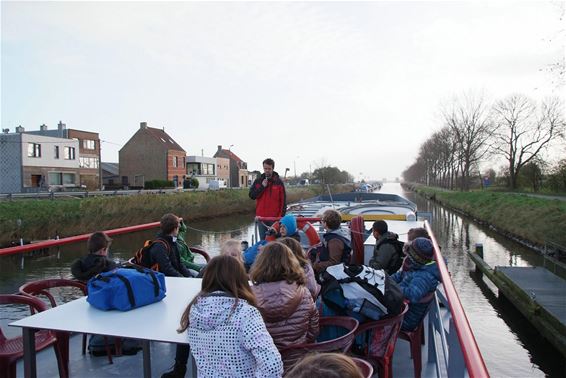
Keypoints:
(175, 161)
(56, 152)
(54, 178)
(68, 178)
(34, 150)
(88, 162)
(89, 144)
(70, 153)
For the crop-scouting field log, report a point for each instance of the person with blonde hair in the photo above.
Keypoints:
(284, 301)
(232, 247)
(299, 253)
(226, 331)
(327, 365)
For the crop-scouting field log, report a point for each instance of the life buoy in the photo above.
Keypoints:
(309, 231)
(302, 225)
(357, 231)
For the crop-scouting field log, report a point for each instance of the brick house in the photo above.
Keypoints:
(151, 154)
(238, 169)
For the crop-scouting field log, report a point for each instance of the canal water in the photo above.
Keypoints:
(511, 347)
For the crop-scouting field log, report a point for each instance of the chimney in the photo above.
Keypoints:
(143, 125)
(20, 129)
(61, 126)
(219, 147)
(43, 127)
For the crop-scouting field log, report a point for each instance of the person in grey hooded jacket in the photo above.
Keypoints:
(385, 255)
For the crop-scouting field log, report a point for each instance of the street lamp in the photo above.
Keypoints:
(230, 166)
(295, 166)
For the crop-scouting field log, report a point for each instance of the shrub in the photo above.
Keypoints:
(158, 184)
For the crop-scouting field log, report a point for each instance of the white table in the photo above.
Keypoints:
(155, 322)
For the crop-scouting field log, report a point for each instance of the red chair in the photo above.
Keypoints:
(11, 350)
(291, 354)
(364, 366)
(41, 288)
(201, 252)
(416, 339)
(381, 336)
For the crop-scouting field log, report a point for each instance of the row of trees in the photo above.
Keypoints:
(516, 128)
(328, 175)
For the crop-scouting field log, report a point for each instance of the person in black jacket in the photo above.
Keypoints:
(164, 252)
(96, 261)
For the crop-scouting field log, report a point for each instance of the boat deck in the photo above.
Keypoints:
(162, 356)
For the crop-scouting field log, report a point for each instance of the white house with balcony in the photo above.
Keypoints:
(203, 169)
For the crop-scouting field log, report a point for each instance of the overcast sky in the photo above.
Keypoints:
(354, 85)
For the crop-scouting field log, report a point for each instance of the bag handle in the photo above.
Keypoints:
(128, 288)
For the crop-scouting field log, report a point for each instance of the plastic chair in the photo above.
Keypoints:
(41, 288)
(201, 252)
(12, 349)
(381, 336)
(291, 354)
(364, 366)
(416, 339)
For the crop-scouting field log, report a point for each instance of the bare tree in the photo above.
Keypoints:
(522, 134)
(469, 120)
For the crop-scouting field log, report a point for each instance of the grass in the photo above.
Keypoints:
(530, 218)
(43, 219)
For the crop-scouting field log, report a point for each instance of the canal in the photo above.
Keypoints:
(510, 346)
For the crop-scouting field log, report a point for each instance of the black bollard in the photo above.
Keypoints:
(479, 252)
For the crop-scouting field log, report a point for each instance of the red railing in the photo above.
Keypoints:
(470, 350)
(73, 239)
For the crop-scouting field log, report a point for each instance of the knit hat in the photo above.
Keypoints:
(290, 223)
(421, 251)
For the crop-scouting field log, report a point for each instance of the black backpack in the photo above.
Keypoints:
(396, 264)
(390, 302)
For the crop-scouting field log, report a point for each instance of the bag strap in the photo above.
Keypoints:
(128, 288)
(155, 282)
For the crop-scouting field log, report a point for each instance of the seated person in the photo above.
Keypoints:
(385, 254)
(336, 243)
(96, 261)
(328, 365)
(287, 228)
(232, 247)
(418, 278)
(299, 253)
(187, 257)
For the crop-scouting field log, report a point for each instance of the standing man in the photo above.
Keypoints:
(269, 192)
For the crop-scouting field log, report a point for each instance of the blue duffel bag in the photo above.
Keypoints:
(126, 288)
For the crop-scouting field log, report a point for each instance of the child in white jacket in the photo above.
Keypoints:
(227, 334)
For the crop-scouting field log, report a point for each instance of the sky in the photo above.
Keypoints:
(356, 85)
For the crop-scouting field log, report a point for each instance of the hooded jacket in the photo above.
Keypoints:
(289, 312)
(271, 201)
(385, 254)
(89, 266)
(417, 283)
(230, 340)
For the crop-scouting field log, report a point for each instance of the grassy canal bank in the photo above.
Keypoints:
(531, 220)
(43, 219)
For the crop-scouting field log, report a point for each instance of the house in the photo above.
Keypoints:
(88, 153)
(110, 175)
(31, 162)
(201, 168)
(151, 154)
(238, 169)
